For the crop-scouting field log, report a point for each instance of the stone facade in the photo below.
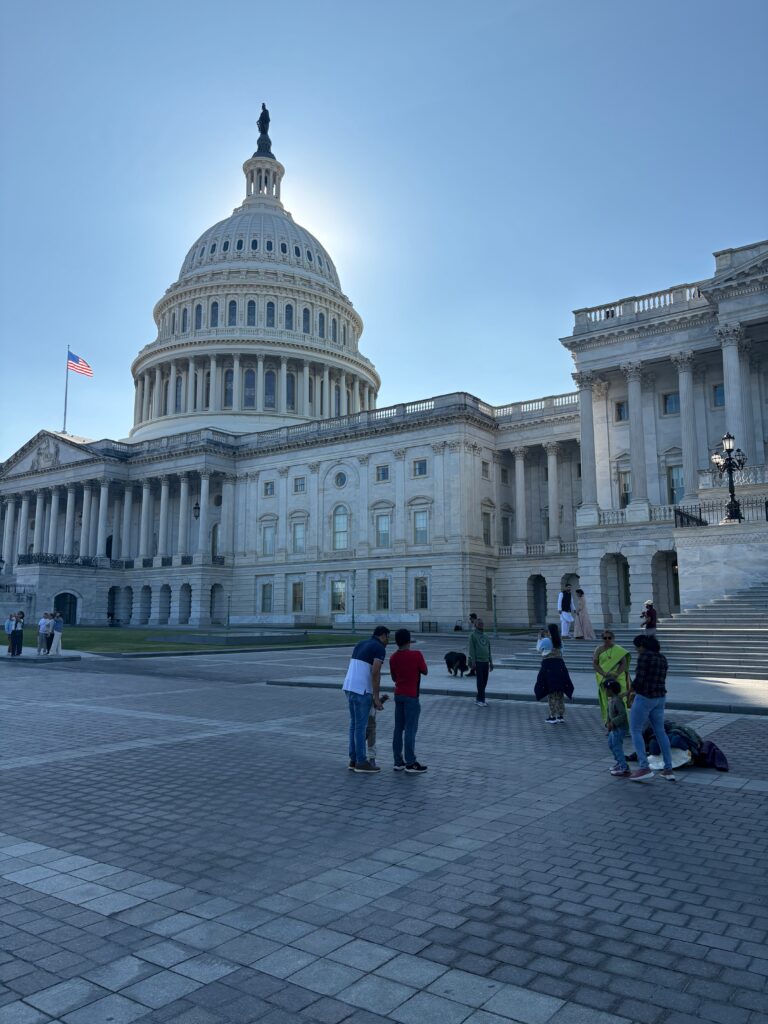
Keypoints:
(261, 484)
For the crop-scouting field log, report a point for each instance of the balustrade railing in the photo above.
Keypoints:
(750, 476)
(678, 298)
(85, 561)
(612, 516)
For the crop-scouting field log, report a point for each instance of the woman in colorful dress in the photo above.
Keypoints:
(610, 661)
(582, 626)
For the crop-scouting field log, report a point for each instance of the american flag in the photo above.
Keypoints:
(78, 365)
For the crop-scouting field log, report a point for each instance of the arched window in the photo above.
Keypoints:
(239, 245)
(198, 317)
(283, 248)
(269, 390)
(229, 381)
(311, 389)
(173, 322)
(304, 321)
(207, 389)
(270, 314)
(232, 314)
(337, 401)
(344, 334)
(269, 245)
(194, 393)
(297, 252)
(290, 391)
(334, 330)
(319, 261)
(251, 318)
(321, 325)
(166, 389)
(340, 529)
(214, 318)
(225, 247)
(178, 396)
(212, 250)
(289, 317)
(254, 244)
(201, 253)
(249, 390)
(184, 320)
(309, 256)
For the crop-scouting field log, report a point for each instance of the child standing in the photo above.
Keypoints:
(617, 726)
(406, 668)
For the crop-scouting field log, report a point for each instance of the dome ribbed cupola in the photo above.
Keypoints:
(256, 332)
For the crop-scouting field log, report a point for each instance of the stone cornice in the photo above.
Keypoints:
(632, 332)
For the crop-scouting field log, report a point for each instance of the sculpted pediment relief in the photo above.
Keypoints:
(45, 452)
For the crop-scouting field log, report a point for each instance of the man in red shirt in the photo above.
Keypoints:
(406, 668)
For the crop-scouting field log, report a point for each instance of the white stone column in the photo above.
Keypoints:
(227, 516)
(344, 400)
(157, 395)
(521, 524)
(146, 497)
(182, 544)
(172, 390)
(553, 494)
(237, 383)
(587, 513)
(10, 522)
(260, 383)
(37, 536)
(162, 540)
(282, 384)
(305, 378)
(327, 402)
(200, 388)
(689, 438)
(214, 403)
(53, 527)
(144, 397)
(633, 374)
(69, 521)
(202, 535)
(731, 336)
(125, 533)
(117, 504)
(93, 533)
(101, 535)
(137, 401)
(355, 395)
(85, 520)
(754, 383)
(190, 385)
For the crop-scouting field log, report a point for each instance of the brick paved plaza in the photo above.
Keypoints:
(181, 842)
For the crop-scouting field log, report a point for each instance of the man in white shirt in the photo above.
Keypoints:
(565, 607)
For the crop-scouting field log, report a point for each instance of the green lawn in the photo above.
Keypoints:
(104, 640)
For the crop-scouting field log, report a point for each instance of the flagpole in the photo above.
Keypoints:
(66, 386)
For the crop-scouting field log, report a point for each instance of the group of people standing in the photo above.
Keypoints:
(574, 612)
(49, 633)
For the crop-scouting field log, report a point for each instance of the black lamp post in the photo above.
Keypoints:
(725, 462)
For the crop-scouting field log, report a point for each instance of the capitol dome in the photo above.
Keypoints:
(256, 332)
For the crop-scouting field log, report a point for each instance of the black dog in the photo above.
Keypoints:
(456, 663)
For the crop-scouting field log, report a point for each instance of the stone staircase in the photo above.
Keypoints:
(727, 637)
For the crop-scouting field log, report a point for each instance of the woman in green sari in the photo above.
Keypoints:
(610, 661)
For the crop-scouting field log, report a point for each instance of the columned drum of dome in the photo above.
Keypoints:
(256, 332)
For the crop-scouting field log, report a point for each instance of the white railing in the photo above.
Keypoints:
(534, 549)
(750, 476)
(678, 298)
(612, 517)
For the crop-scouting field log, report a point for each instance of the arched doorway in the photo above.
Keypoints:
(217, 605)
(185, 604)
(66, 603)
(614, 585)
(126, 605)
(666, 583)
(145, 605)
(113, 603)
(164, 605)
(537, 600)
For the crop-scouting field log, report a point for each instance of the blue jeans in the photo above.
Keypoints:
(651, 709)
(407, 711)
(359, 708)
(616, 743)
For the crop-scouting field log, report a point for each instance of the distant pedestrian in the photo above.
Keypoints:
(582, 623)
(618, 727)
(565, 607)
(42, 634)
(49, 632)
(10, 624)
(472, 625)
(649, 618)
(553, 680)
(544, 643)
(361, 685)
(17, 636)
(648, 696)
(481, 660)
(58, 631)
(406, 668)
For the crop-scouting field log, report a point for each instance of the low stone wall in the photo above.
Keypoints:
(717, 560)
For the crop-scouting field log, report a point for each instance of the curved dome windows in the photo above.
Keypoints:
(309, 256)
(214, 317)
(207, 390)
(270, 314)
(173, 322)
(198, 317)
(254, 244)
(184, 320)
(319, 260)
(212, 250)
(251, 314)
(239, 245)
(232, 314)
(337, 401)
(269, 245)
(334, 329)
(297, 252)
(229, 387)
(321, 325)
(344, 334)
(284, 248)
(289, 317)
(290, 391)
(225, 247)
(177, 398)
(201, 253)
(270, 390)
(249, 389)
(304, 321)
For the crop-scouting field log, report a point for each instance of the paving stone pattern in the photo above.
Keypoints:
(178, 846)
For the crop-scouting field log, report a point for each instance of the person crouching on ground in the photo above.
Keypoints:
(647, 697)
(480, 659)
(617, 726)
(361, 685)
(553, 680)
(406, 668)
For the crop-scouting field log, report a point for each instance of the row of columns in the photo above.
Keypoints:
(552, 448)
(356, 394)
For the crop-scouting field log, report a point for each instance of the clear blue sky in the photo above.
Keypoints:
(476, 171)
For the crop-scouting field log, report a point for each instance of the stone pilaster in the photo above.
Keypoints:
(641, 510)
(684, 363)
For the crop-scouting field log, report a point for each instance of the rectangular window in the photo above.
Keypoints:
(621, 411)
(504, 475)
(625, 488)
(299, 484)
(382, 474)
(297, 597)
(489, 593)
(670, 403)
(675, 486)
(486, 528)
(506, 531)
(298, 538)
(718, 395)
(421, 527)
(382, 595)
(339, 596)
(269, 488)
(420, 593)
(485, 470)
(266, 597)
(383, 532)
(419, 467)
(268, 539)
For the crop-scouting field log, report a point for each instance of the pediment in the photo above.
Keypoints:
(45, 452)
(755, 268)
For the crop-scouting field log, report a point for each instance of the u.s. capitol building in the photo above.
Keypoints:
(261, 482)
